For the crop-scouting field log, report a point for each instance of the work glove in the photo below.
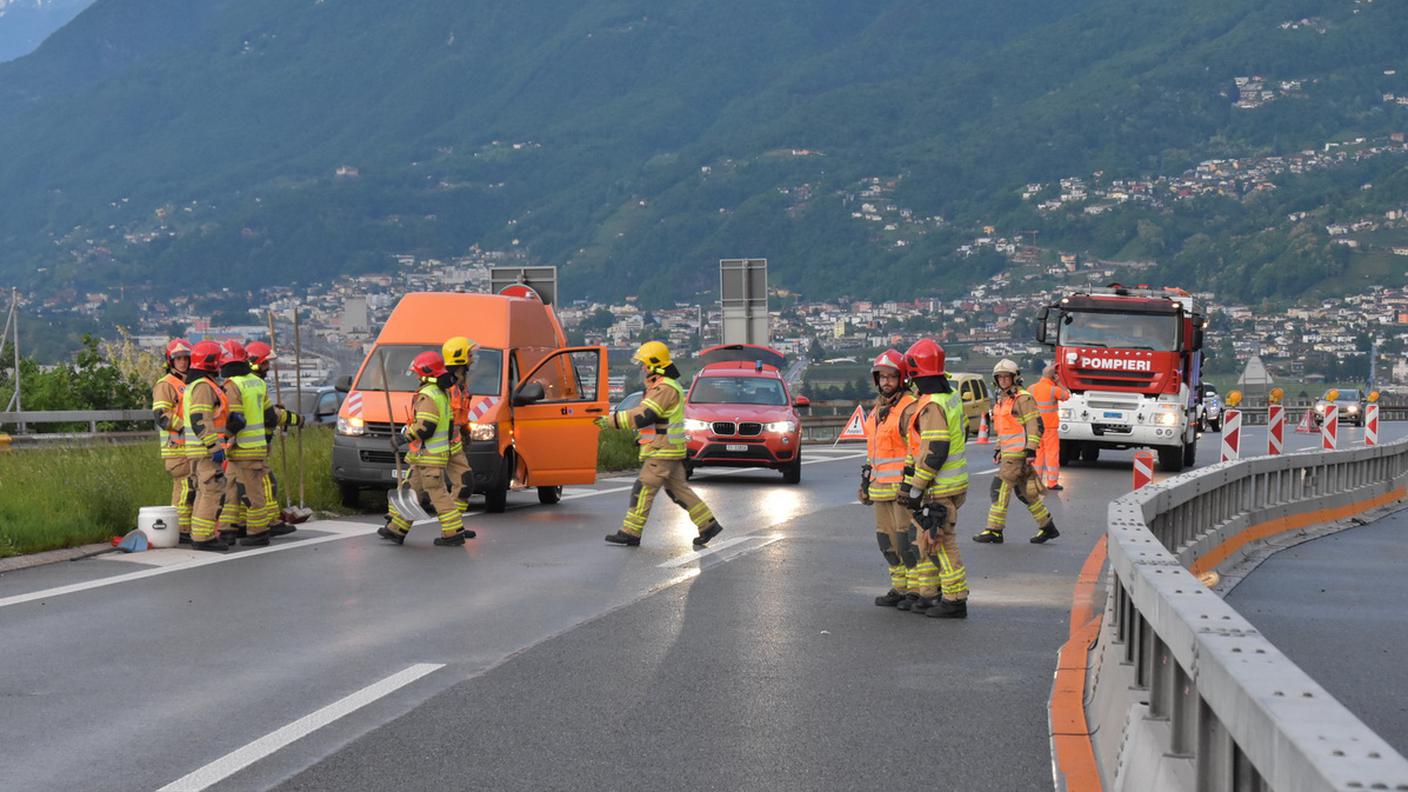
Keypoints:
(604, 422)
(218, 456)
(291, 419)
(996, 454)
(865, 484)
(401, 439)
(1030, 453)
(910, 496)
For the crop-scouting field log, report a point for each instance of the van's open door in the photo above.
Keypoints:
(555, 408)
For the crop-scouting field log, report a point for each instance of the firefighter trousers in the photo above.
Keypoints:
(182, 492)
(1048, 457)
(210, 488)
(666, 474)
(892, 533)
(1015, 476)
(461, 479)
(247, 496)
(430, 481)
(940, 569)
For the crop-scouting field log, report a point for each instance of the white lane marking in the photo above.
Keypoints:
(237, 760)
(689, 558)
(58, 591)
(707, 473)
(985, 472)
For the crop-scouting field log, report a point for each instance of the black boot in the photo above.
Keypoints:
(453, 540)
(229, 535)
(185, 539)
(989, 536)
(889, 599)
(623, 538)
(256, 540)
(908, 602)
(708, 533)
(390, 534)
(214, 544)
(923, 605)
(281, 529)
(949, 609)
(1046, 534)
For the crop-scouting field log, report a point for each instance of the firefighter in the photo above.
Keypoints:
(276, 418)
(936, 484)
(205, 410)
(1049, 393)
(1018, 429)
(883, 471)
(166, 406)
(429, 438)
(459, 356)
(662, 454)
(245, 513)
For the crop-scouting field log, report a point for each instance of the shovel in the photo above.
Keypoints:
(403, 500)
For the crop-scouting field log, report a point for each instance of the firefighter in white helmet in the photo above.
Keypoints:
(1018, 425)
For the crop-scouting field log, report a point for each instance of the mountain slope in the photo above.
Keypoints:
(26, 23)
(654, 140)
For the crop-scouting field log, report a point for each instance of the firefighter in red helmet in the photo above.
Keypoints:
(883, 471)
(205, 409)
(277, 418)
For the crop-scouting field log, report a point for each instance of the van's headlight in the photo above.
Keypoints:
(352, 426)
(781, 427)
(483, 431)
(695, 425)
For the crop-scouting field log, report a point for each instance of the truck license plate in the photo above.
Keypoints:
(735, 447)
(1109, 414)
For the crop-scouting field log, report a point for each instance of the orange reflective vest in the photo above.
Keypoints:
(885, 451)
(1048, 397)
(1011, 428)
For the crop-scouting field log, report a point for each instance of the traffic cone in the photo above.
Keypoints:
(1306, 426)
(983, 432)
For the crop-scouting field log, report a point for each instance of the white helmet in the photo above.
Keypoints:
(1006, 366)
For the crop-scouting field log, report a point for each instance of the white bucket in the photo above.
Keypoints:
(160, 524)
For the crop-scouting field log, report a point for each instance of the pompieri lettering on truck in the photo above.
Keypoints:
(1115, 364)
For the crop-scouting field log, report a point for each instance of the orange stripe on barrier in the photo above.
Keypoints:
(1070, 734)
(1214, 557)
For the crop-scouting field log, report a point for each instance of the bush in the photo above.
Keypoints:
(617, 450)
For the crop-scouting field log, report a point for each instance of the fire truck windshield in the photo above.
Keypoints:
(1156, 332)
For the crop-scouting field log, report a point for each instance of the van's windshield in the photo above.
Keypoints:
(485, 373)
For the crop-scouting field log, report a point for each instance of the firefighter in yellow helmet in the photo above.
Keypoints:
(459, 356)
(1018, 424)
(662, 454)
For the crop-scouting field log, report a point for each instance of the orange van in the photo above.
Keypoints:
(534, 399)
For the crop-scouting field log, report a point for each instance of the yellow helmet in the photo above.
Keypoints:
(654, 355)
(457, 351)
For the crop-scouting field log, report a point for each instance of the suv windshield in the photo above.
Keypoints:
(1348, 396)
(1157, 332)
(738, 390)
(485, 373)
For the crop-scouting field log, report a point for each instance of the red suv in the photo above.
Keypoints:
(739, 413)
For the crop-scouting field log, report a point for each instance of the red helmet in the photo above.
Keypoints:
(176, 347)
(889, 359)
(205, 356)
(925, 359)
(260, 353)
(232, 351)
(429, 364)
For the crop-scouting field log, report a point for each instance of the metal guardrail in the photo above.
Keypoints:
(1188, 695)
(90, 417)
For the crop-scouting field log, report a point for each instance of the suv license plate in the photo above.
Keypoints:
(735, 447)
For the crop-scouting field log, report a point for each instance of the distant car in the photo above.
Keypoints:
(1351, 402)
(320, 404)
(973, 389)
(1211, 408)
(630, 401)
(739, 413)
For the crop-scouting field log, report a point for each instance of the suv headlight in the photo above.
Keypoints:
(781, 427)
(351, 427)
(695, 425)
(483, 431)
(1353, 408)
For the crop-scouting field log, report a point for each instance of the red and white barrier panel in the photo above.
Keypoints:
(1231, 435)
(1275, 429)
(1330, 429)
(1371, 425)
(1143, 468)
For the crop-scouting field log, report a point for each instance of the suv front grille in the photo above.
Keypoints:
(724, 428)
(750, 429)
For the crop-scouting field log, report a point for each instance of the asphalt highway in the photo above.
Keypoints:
(538, 657)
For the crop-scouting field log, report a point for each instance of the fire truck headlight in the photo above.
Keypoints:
(1166, 418)
(1064, 413)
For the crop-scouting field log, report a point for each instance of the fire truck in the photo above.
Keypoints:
(1132, 359)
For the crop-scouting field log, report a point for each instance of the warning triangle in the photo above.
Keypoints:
(1305, 425)
(855, 426)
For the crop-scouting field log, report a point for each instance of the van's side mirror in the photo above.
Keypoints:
(801, 401)
(528, 394)
(343, 384)
(1041, 318)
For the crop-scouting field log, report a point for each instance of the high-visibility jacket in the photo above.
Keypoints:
(952, 478)
(885, 450)
(203, 399)
(432, 404)
(664, 438)
(166, 402)
(250, 441)
(1017, 423)
(1048, 396)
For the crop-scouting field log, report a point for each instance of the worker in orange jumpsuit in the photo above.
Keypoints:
(1049, 393)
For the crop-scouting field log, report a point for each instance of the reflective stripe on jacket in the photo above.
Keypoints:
(886, 450)
(1048, 396)
(203, 397)
(1015, 418)
(166, 398)
(250, 441)
(952, 478)
(669, 424)
(434, 450)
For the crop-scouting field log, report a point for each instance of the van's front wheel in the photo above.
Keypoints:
(549, 495)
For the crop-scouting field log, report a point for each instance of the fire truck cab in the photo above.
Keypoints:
(1132, 358)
